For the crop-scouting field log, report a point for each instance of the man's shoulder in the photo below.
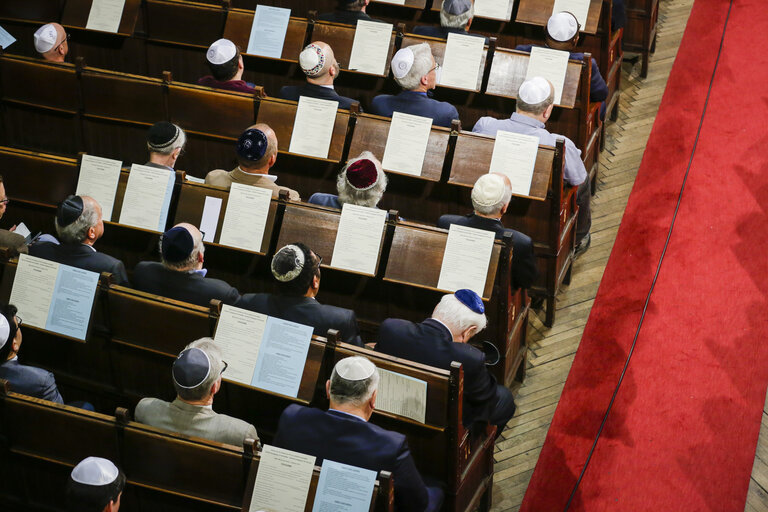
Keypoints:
(149, 404)
(43, 249)
(218, 177)
(323, 199)
(468, 355)
(29, 373)
(148, 266)
(396, 326)
(254, 301)
(290, 92)
(445, 221)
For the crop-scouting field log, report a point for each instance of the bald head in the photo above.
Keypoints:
(51, 42)
(319, 63)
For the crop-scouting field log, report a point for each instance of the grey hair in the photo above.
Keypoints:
(456, 20)
(456, 316)
(202, 390)
(538, 108)
(494, 208)
(350, 195)
(77, 231)
(355, 392)
(422, 64)
(197, 237)
(178, 143)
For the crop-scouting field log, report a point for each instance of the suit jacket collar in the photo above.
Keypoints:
(345, 415)
(492, 224)
(239, 176)
(440, 327)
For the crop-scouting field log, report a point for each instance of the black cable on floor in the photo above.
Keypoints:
(658, 267)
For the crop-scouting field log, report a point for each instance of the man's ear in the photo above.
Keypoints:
(328, 388)
(176, 153)
(548, 112)
(216, 386)
(240, 64)
(468, 333)
(272, 159)
(372, 401)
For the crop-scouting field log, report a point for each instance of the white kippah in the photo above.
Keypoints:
(5, 330)
(312, 60)
(95, 471)
(45, 38)
(489, 190)
(402, 62)
(221, 51)
(534, 90)
(562, 26)
(355, 368)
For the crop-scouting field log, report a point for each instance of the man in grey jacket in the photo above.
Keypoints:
(197, 378)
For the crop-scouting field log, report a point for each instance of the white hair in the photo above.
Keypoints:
(202, 390)
(355, 392)
(422, 64)
(449, 20)
(350, 195)
(77, 231)
(494, 208)
(456, 316)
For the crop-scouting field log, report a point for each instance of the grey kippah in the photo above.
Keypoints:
(456, 7)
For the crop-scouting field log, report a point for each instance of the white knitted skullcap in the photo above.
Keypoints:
(489, 190)
(221, 51)
(534, 90)
(312, 60)
(95, 471)
(45, 38)
(5, 330)
(355, 368)
(562, 26)
(402, 62)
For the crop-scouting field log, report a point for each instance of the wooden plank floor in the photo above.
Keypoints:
(551, 351)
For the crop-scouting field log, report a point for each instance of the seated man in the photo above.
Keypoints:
(256, 154)
(23, 379)
(533, 108)
(490, 199)
(297, 272)
(7, 236)
(439, 340)
(562, 33)
(318, 62)
(79, 225)
(227, 68)
(348, 12)
(95, 485)
(362, 182)
(165, 142)
(414, 69)
(51, 41)
(455, 17)
(343, 434)
(197, 377)
(181, 275)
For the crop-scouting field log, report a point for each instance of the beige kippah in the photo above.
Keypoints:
(355, 368)
(534, 90)
(562, 26)
(488, 190)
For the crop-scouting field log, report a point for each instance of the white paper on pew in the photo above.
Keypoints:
(494, 9)
(395, 2)
(406, 143)
(245, 217)
(282, 357)
(6, 39)
(147, 197)
(465, 259)
(514, 155)
(282, 481)
(268, 31)
(402, 395)
(33, 287)
(105, 15)
(239, 333)
(99, 178)
(579, 8)
(370, 48)
(313, 127)
(22, 229)
(358, 239)
(210, 219)
(462, 61)
(549, 64)
(193, 179)
(343, 488)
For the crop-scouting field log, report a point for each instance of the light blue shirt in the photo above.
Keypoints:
(575, 173)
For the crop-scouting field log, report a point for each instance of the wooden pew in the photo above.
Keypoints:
(640, 32)
(164, 471)
(340, 38)
(76, 14)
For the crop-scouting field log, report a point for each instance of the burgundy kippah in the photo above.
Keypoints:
(362, 174)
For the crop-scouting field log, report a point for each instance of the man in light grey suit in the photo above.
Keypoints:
(196, 377)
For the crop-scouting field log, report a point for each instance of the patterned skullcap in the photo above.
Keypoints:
(312, 60)
(252, 145)
(288, 263)
(402, 62)
(162, 135)
(221, 51)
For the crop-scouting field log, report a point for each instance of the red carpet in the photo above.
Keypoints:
(682, 430)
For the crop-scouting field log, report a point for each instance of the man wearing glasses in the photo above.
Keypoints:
(52, 42)
(7, 237)
(197, 378)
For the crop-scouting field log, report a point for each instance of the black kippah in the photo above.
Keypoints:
(161, 135)
(177, 244)
(252, 145)
(69, 210)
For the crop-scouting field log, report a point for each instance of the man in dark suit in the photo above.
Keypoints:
(165, 142)
(455, 17)
(24, 379)
(318, 62)
(414, 69)
(361, 182)
(490, 198)
(181, 275)
(348, 12)
(79, 225)
(343, 434)
(439, 340)
(296, 270)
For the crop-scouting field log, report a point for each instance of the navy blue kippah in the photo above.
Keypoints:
(252, 145)
(471, 300)
(191, 368)
(69, 210)
(177, 244)
(456, 7)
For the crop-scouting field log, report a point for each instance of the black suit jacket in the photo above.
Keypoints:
(153, 277)
(81, 256)
(346, 17)
(524, 271)
(292, 92)
(306, 311)
(431, 343)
